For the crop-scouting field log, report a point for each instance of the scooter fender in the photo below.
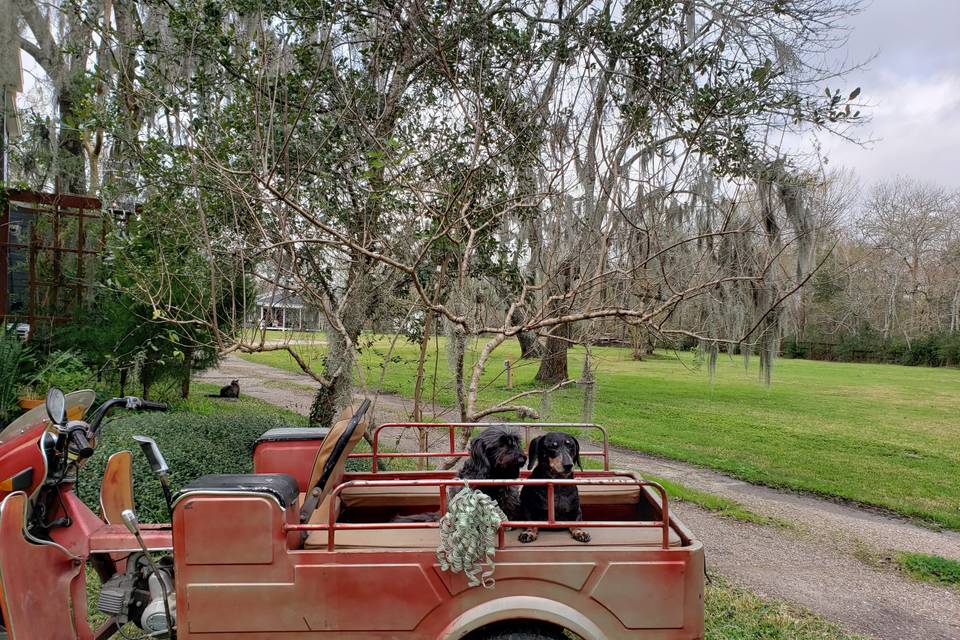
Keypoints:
(38, 582)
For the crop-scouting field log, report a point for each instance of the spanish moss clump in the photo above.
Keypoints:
(546, 404)
(713, 351)
(769, 347)
(456, 348)
(589, 382)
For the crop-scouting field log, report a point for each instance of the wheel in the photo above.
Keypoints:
(520, 630)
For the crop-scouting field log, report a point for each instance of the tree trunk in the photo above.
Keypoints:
(553, 365)
(423, 443)
(530, 346)
(325, 406)
(330, 400)
(418, 385)
(186, 375)
(70, 163)
(338, 364)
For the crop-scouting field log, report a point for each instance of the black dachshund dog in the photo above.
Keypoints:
(495, 454)
(554, 455)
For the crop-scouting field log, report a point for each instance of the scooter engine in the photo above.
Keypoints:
(138, 594)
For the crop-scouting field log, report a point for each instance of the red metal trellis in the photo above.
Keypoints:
(29, 249)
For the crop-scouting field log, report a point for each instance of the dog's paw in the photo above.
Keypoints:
(580, 535)
(528, 535)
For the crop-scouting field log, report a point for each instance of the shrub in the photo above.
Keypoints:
(193, 445)
(14, 362)
(66, 371)
(867, 345)
(794, 349)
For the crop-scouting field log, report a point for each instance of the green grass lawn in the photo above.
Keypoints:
(882, 435)
(277, 335)
(732, 613)
(930, 568)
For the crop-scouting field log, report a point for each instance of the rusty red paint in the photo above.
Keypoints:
(36, 579)
(294, 457)
(399, 593)
(114, 538)
(84, 523)
(23, 452)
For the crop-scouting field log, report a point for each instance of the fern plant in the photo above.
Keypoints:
(14, 367)
(21, 368)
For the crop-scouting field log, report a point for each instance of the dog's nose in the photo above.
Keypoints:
(568, 466)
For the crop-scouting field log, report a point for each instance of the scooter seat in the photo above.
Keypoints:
(292, 434)
(281, 486)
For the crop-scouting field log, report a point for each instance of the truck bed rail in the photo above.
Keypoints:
(332, 526)
(375, 454)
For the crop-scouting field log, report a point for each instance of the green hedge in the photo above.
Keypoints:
(193, 445)
(935, 350)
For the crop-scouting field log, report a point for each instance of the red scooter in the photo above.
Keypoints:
(47, 534)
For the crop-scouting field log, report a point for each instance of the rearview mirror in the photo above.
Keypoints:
(56, 404)
(154, 457)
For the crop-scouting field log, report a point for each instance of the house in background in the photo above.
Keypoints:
(286, 311)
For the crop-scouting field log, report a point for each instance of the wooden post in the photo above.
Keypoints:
(506, 365)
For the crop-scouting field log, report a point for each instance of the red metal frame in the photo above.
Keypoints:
(551, 522)
(375, 455)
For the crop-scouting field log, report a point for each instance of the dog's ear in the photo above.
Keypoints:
(479, 459)
(576, 452)
(533, 451)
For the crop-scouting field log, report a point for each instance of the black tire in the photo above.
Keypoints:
(519, 630)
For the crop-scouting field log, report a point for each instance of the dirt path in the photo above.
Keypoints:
(818, 563)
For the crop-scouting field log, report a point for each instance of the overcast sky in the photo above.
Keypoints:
(914, 87)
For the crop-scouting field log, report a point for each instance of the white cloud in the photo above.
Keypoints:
(915, 130)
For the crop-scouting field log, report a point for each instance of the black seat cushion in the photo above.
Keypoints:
(280, 485)
(282, 434)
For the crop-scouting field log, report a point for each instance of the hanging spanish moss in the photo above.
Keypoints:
(769, 347)
(546, 405)
(588, 381)
(710, 350)
(456, 348)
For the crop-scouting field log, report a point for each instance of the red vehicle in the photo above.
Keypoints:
(301, 549)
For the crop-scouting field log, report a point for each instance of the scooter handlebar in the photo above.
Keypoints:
(153, 406)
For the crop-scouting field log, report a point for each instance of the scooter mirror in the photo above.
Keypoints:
(56, 404)
(154, 457)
